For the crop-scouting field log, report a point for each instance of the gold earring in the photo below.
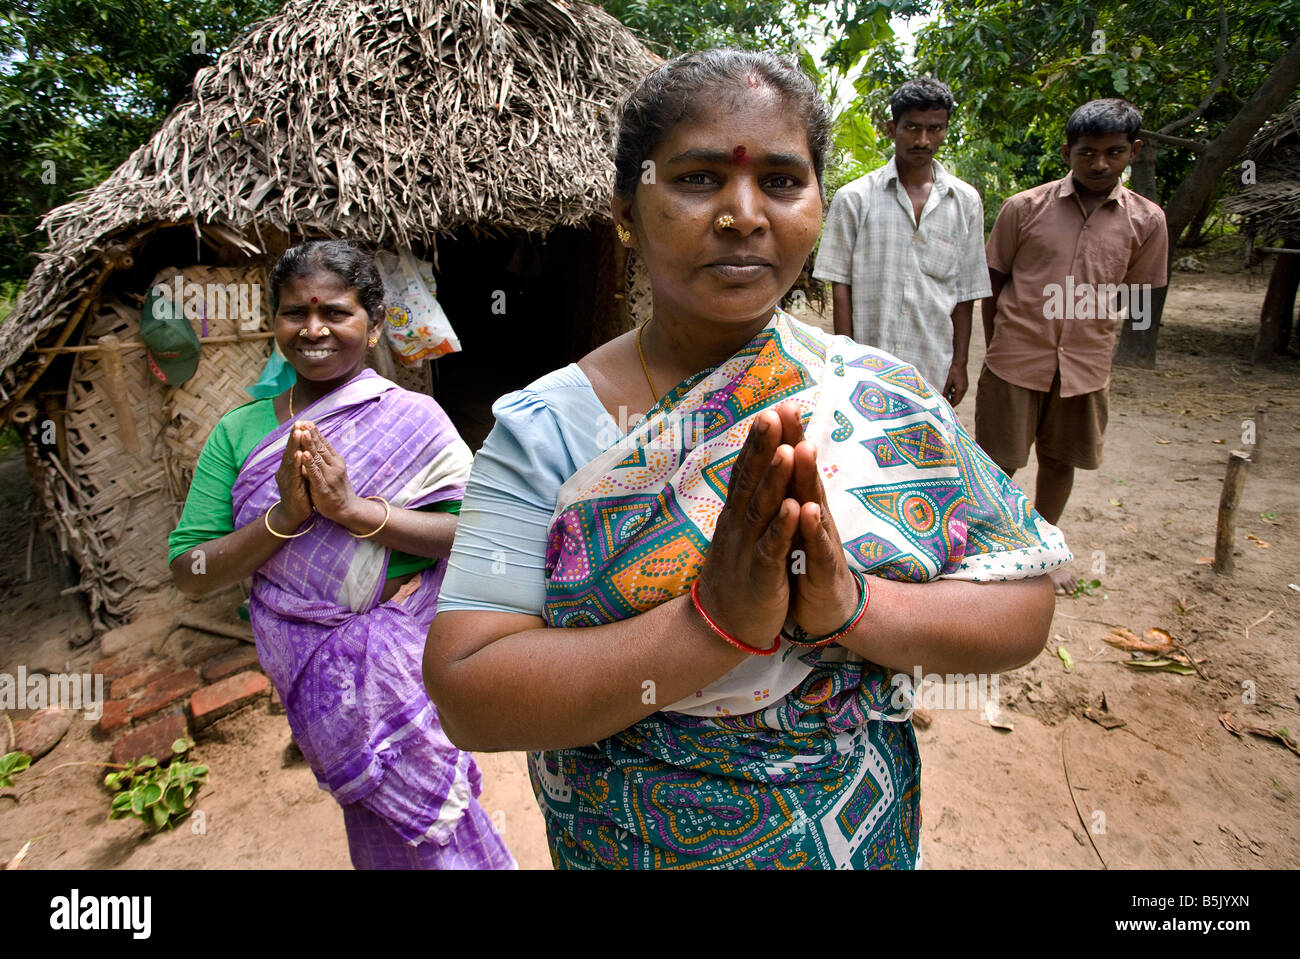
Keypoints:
(373, 340)
(624, 234)
(725, 221)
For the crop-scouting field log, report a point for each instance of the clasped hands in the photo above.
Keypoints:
(751, 584)
(313, 477)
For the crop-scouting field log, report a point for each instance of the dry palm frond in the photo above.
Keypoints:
(391, 121)
(1269, 202)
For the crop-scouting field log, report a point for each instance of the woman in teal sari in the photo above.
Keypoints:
(701, 628)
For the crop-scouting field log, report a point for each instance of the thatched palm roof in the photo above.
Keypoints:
(1271, 205)
(388, 120)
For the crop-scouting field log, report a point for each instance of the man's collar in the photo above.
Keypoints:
(942, 179)
(1118, 193)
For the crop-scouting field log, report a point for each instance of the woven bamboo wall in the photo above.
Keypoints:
(113, 506)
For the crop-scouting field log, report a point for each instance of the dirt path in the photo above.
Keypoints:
(1171, 788)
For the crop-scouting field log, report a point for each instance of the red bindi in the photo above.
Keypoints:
(313, 299)
(740, 157)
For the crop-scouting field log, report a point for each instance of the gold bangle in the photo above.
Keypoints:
(266, 518)
(388, 511)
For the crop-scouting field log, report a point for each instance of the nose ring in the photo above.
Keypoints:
(725, 221)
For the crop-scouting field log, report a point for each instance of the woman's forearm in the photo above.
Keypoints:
(413, 531)
(953, 625)
(546, 688)
(223, 562)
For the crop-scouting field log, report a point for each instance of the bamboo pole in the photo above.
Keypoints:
(139, 345)
(1228, 500)
(110, 355)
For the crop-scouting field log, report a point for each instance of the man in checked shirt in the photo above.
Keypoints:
(903, 247)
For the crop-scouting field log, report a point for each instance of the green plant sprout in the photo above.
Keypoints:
(1085, 588)
(11, 764)
(156, 795)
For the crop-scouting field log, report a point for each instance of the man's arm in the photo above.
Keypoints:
(955, 386)
(989, 305)
(842, 309)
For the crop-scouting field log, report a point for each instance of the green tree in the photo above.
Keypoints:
(82, 84)
(1204, 74)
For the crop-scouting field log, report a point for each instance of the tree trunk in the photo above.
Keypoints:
(1138, 347)
(1143, 179)
(1279, 302)
(1194, 236)
(1220, 152)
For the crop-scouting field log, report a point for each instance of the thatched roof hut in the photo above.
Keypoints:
(1269, 200)
(475, 133)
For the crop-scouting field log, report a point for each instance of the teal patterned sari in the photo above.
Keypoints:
(818, 768)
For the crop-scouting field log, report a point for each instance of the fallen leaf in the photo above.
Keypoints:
(1257, 541)
(1238, 728)
(1116, 502)
(996, 717)
(1125, 640)
(1066, 658)
(1103, 719)
(1161, 665)
(1205, 561)
(1220, 442)
(1164, 442)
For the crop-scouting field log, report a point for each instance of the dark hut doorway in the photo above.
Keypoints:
(522, 305)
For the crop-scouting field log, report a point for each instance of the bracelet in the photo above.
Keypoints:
(388, 511)
(754, 650)
(266, 519)
(801, 638)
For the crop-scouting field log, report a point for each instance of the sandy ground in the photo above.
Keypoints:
(1170, 788)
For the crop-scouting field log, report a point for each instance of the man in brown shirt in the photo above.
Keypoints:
(1069, 261)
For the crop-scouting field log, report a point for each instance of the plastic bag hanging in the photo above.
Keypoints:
(415, 325)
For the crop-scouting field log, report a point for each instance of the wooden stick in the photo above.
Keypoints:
(1259, 435)
(1228, 500)
(110, 355)
(138, 345)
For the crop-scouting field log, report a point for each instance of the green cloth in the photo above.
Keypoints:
(209, 509)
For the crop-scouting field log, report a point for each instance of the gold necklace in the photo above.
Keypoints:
(290, 401)
(645, 369)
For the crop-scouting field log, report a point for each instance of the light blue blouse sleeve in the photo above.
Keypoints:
(541, 437)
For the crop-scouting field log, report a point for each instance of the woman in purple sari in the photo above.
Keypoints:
(339, 497)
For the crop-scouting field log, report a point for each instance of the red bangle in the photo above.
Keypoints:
(753, 650)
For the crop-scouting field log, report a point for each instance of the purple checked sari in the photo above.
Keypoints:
(347, 667)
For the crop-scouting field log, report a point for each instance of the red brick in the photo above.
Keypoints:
(164, 691)
(117, 713)
(212, 702)
(140, 678)
(153, 740)
(115, 667)
(227, 664)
